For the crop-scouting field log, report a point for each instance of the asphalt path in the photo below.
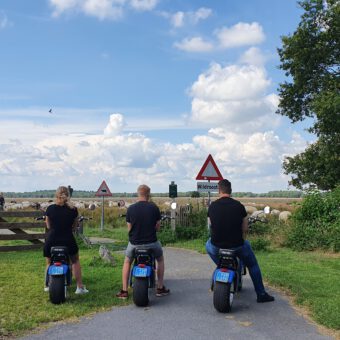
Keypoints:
(188, 312)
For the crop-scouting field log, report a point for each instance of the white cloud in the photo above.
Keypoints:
(144, 5)
(177, 19)
(180, 18)
(101, 9)
(252, 161)
(4, 22)
(241, 34)
(253, 56)
(195, 44)
(201, 14)
(115, 125)
(234, 97)
(232, 82)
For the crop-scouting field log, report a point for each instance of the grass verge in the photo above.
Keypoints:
(311, 277)
(24, 305)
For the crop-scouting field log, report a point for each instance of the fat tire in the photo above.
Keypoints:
(222, 297)
(140, 292)
(57, 289)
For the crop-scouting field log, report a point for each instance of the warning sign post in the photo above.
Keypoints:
(210, 172)
(103, 191)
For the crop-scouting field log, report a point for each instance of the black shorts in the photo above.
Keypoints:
(71, 245)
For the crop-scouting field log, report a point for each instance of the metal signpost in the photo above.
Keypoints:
(209, 172)
(173, 195)
(102, 192)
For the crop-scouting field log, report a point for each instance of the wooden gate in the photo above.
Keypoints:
(18, 230)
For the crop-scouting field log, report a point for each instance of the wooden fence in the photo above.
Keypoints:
(18, 230)
(182, 214)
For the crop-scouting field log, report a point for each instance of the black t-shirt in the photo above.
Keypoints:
(61, 218)
(226, 216)
(143, 217)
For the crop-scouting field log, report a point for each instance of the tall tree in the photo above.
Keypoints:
(310, 58)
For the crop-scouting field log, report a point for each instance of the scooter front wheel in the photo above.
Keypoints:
(223, 297)
(57, 289)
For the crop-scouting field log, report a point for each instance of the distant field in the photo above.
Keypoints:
(259, 202)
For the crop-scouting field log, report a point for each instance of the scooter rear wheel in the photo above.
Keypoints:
(140, 291)
(57, 289)
(223, 297)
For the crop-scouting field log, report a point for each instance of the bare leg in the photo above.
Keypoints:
(126, 273)
(48, 261)
(160, 272)
(76, 268)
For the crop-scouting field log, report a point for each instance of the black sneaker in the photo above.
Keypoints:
(265, 298)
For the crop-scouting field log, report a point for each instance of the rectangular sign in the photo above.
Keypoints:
(207, 187)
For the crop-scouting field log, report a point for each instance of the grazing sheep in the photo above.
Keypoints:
(26, 204)
(284, 215)
(79, 205)
(250, 210)
(275, 212)
(258, 213)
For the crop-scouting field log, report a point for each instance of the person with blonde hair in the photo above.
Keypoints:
(143, 221)
(61, 219)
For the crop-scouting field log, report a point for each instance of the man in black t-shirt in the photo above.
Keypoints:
(228, 227)
(143, 221)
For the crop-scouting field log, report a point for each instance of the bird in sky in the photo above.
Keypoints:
(50, 111)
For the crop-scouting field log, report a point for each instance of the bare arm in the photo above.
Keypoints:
(48, 225)
(158, 225)
(129, 226)
(245, 227)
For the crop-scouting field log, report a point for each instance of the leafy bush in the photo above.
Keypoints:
(260, 244)
(316, 223)
(259, 228)
(166, 235)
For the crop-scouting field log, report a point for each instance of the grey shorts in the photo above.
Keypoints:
(155, 246)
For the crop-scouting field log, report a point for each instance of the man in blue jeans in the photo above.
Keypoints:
(228, 227)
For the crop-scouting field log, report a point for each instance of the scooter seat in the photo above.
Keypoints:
(143, 251)
(227, 252)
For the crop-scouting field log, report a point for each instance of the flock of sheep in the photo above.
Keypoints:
(251, 210)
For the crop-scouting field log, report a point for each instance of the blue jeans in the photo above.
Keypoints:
(247, 256)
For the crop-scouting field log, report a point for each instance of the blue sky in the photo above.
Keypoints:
(142, 91)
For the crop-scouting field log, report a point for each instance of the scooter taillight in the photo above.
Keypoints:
(224, 270)
(141, 265)
(57, 263)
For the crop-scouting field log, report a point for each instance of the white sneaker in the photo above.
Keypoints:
(81, 290)
(46, 289)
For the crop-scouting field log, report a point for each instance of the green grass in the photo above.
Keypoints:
(312, 278)
(24, 305)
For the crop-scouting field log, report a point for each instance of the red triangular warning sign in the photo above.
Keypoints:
(209, 171)
(103, 190)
